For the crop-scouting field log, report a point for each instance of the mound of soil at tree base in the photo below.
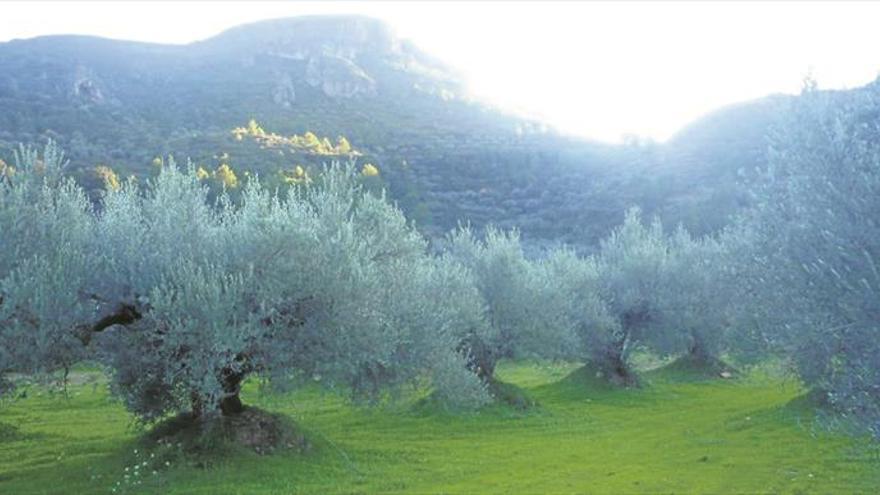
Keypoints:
(503, 394)
(595, 377)
(253, 429)
(506, 393)
(696, 368)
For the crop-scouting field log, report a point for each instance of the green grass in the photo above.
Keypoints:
(674, 435)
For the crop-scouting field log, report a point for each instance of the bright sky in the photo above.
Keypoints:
(593, 69)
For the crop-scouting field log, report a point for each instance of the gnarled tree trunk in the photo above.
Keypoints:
(613, 365)
(698, 352)
(481, 357)
(611, 362)
(231, 403)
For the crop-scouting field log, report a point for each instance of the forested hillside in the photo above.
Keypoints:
(444, 157)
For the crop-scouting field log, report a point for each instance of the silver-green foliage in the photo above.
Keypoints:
(817, 242)
(46, 230)
(183, 299)
(631, 265)
(573, 297)
(642, 289)
(698, 287)
(513, 291)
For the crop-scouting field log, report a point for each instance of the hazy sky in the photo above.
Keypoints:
(594, 69)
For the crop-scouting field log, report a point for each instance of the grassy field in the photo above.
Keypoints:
(674, 435)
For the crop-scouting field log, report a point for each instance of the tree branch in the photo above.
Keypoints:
(124, 314)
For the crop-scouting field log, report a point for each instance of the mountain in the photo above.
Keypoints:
(443, 156)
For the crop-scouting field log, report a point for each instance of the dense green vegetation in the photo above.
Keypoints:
(675, 435)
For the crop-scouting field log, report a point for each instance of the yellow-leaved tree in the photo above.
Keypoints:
(108, 176)
(343, 147)
(370, 170)
(225, 175)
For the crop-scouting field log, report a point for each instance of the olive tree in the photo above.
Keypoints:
(632, 265)
(613, 300)
(698, 285)
(817, 244)
(513, 291)
(46, 231)
(573, 296)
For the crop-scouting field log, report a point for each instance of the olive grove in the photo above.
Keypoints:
(182, 299)
(183, 294)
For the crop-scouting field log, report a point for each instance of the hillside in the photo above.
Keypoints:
(444, 157)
